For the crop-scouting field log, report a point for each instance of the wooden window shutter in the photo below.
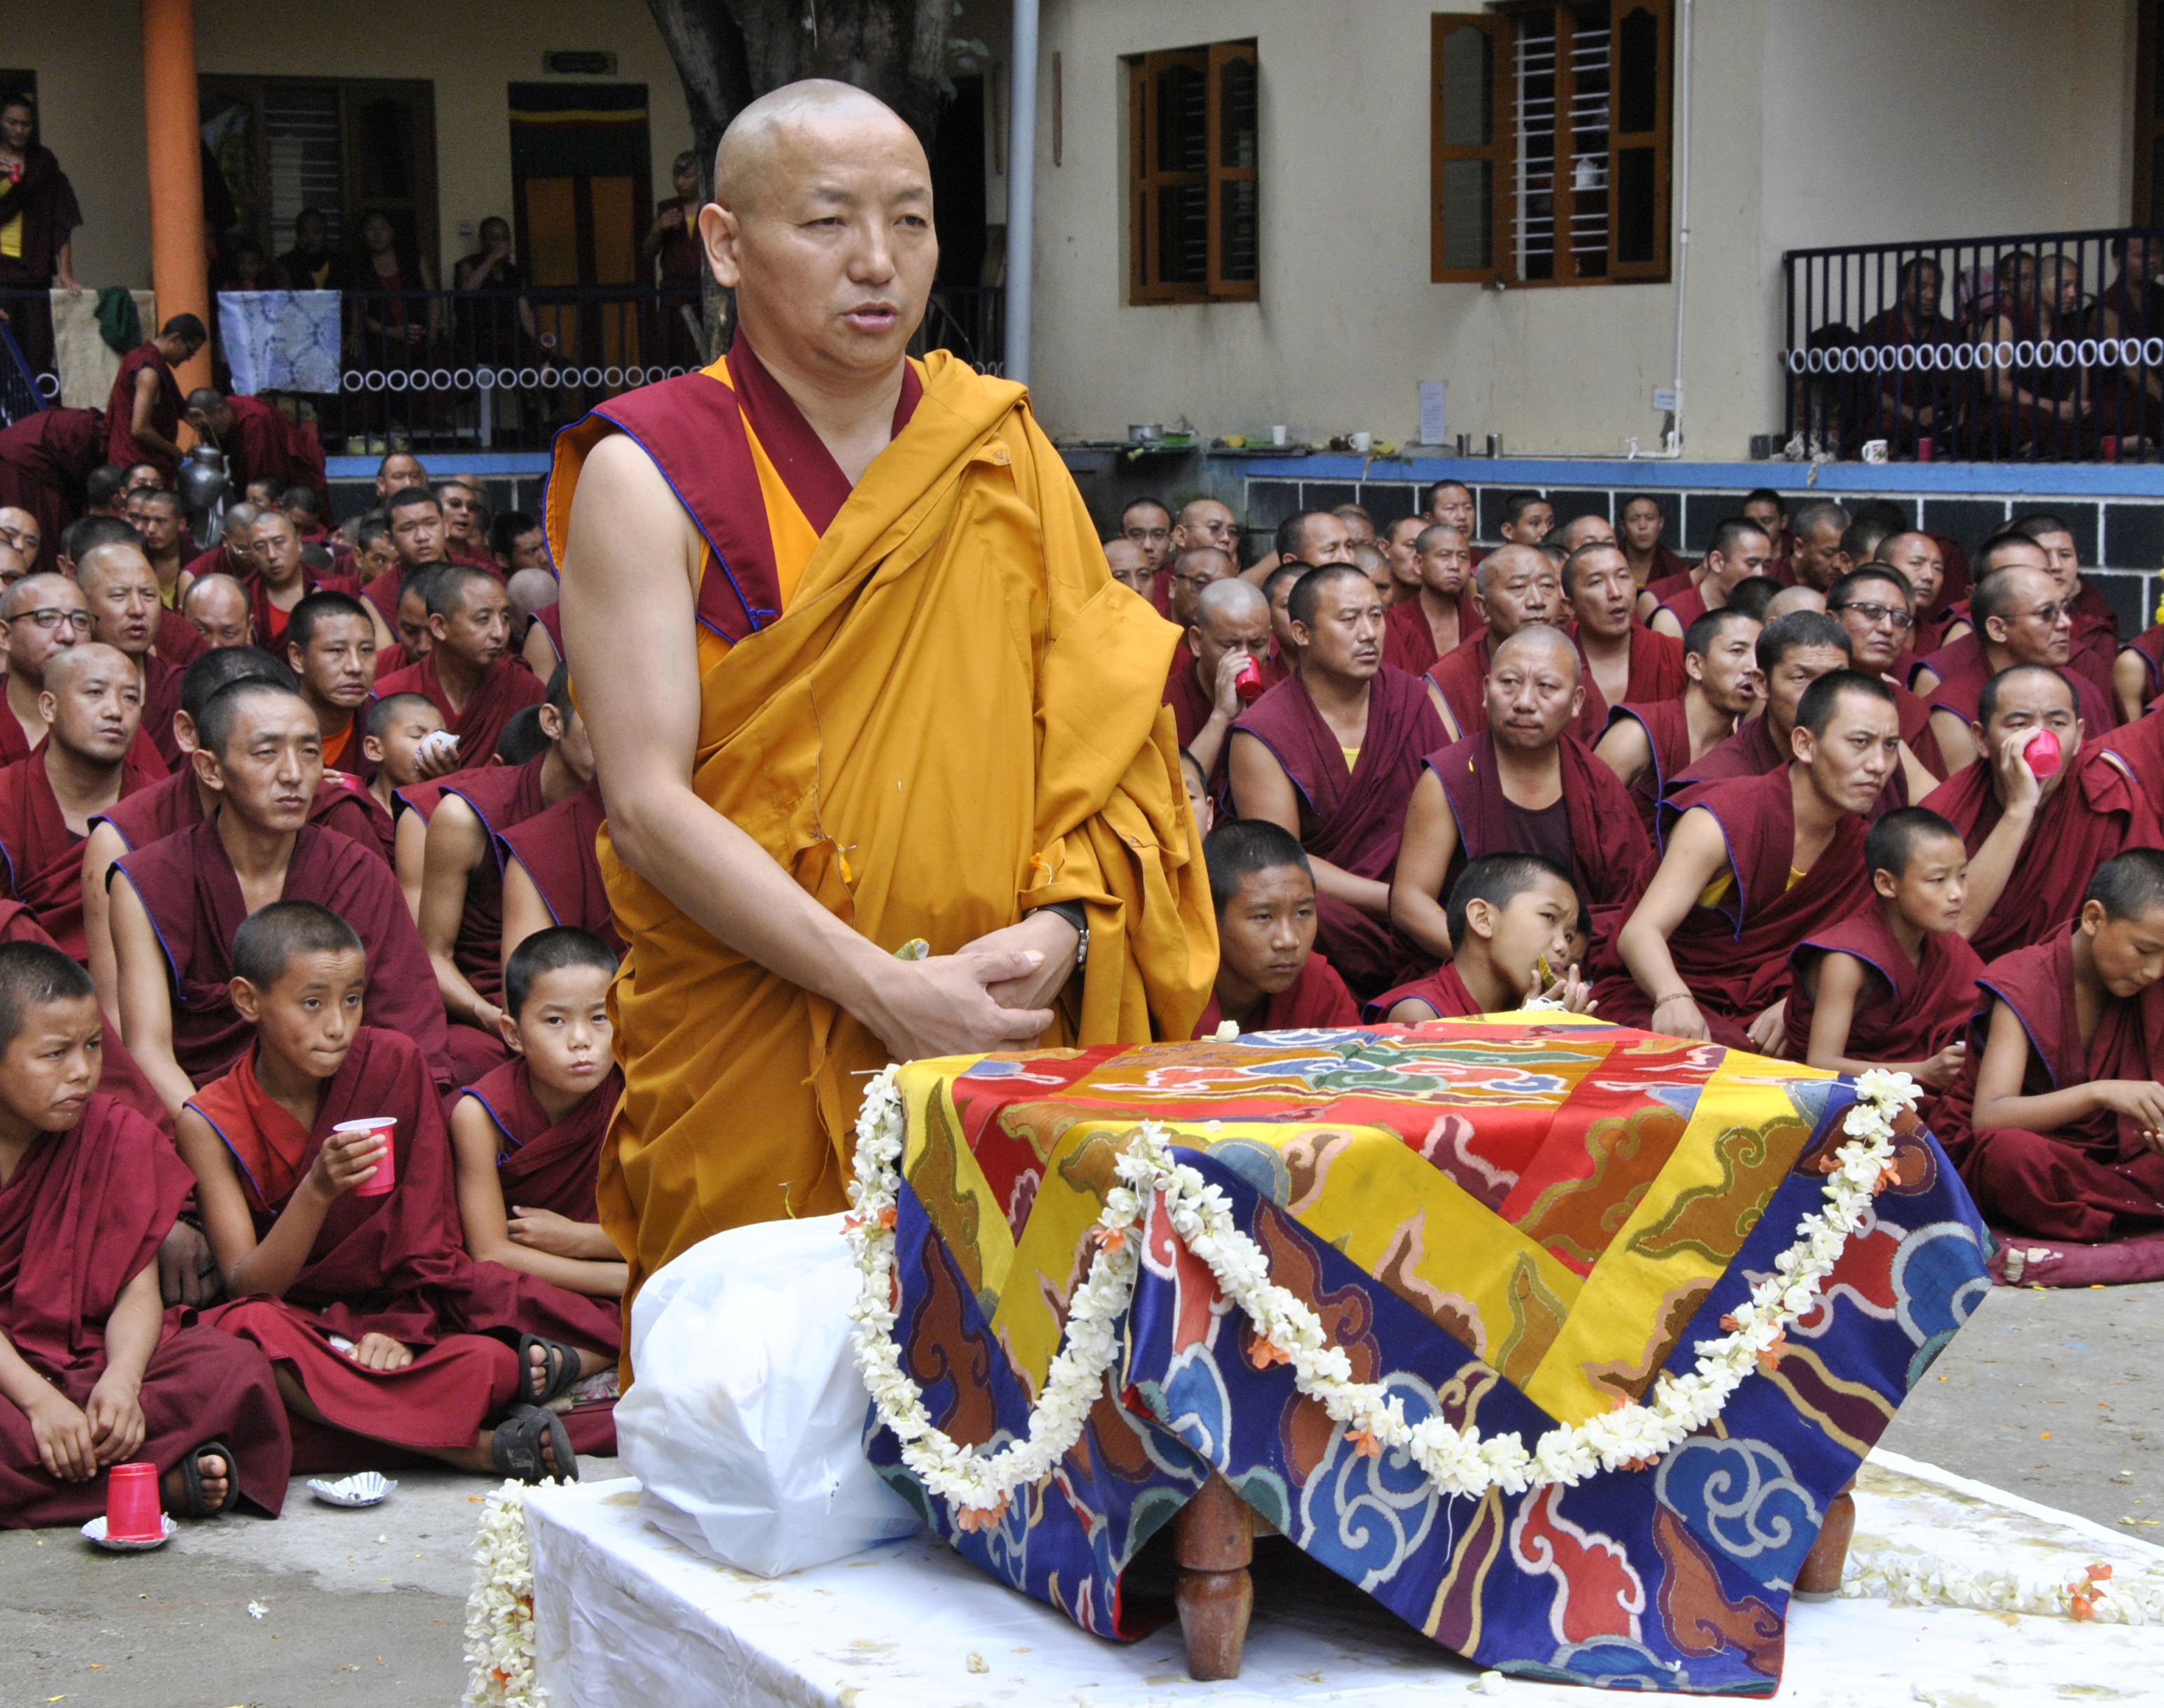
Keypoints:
(1469, 147)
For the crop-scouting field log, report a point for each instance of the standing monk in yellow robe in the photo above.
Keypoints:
(855, 673)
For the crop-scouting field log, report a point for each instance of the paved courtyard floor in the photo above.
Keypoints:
(2055, 1396)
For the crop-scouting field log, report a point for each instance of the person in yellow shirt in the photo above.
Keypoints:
(856, 674)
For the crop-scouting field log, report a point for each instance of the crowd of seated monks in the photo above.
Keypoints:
(1837, 792)
(305, 1054)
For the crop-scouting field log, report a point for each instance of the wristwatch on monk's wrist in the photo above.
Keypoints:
(1073, 913)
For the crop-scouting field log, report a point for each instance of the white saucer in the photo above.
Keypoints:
(94, 1531)
(362, 1489)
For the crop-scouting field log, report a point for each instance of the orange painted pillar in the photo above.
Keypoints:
(173, 131)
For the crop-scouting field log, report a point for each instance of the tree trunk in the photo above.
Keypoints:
(730, 52)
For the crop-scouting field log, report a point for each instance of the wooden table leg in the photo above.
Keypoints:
(1213, 1543)
(1820, 1579)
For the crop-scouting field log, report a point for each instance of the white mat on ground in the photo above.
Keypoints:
(625, 1615)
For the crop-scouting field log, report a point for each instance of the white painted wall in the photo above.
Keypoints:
(88, 56)
(1815, 121)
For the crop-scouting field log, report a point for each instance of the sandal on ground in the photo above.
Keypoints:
(563, 1365)
(194, 1503)
(515, 1446)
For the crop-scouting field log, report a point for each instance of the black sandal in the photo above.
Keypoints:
(564, 1366)
(515, 1446)
(194, 1503)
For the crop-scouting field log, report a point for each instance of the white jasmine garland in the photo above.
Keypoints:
(499, 1608)
(1924, 1580)
(1456, 1461)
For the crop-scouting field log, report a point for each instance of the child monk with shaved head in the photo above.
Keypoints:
(89, 1375)
(1512, 919)
(340, 1248)
(2056, 1123)
(529, 1134)
(1269, 976)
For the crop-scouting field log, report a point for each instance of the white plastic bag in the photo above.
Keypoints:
(746, 1414)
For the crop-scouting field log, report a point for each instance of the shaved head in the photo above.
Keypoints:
(758, 144)
(1539, 641)
(90, 654)
(1231, 599)
(1789, 599)
(33, 592)
(822, 224)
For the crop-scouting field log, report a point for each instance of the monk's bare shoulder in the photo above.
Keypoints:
(625, 521)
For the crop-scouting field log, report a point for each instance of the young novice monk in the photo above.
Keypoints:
(377, 1322)
(392, 745)
(528, 1135)
(1269, 978)
(89, 1375)
(1894, 985)
(1513, 920)
(2056, 1119)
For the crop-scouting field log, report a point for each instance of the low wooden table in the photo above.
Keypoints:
(1213, 1544)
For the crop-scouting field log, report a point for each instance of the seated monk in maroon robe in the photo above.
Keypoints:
(2020, 622)
(475, 681)
(1623, 659)
(91, 1372)
(2033, 841)
(528, 1136)
(1794, 651)
(1269, 978)
(2094, 646)
(1873, 604)
(551, 872)
(330, 640)
(1650, 743)
(1231, 626)
(43, 615)
(1520, 785)
(1510, 921)
(92, 702)
(1751, 867)
(1515, 586)
(1740, 551)
(453, 825)
(381, 1327)
(174, 917)
(216, 606)
(121, 590)
(1894, 985)
(260, 440)
(143, 410)
(393, 745)
(1442, 617)
(2138, 674)
(182, 801)
(2057, 1119)
(44, 458)
(1331, 754)
(279, 579)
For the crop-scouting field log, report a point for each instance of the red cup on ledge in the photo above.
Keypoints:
(1924, 450)
(1249, 683)
(386, 1171)
(132, 1511)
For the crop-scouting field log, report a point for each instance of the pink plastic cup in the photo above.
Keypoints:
(2042, 753)
(386, 1171)
(132, 1510)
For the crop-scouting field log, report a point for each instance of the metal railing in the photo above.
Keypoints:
(2047, 347)
(503, 370)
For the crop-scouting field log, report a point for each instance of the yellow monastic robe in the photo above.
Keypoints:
(954, 716)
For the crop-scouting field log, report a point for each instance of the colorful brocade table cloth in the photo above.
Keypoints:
(1519, 1223)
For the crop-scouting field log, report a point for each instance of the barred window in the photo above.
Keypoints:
(1549, 142)
(1193, 189)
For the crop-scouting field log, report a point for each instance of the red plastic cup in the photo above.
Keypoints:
(1924, 450)
(1249, 683)
(386, 1171)
(2111, 448)
(2042, 753)
(132, 1510)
